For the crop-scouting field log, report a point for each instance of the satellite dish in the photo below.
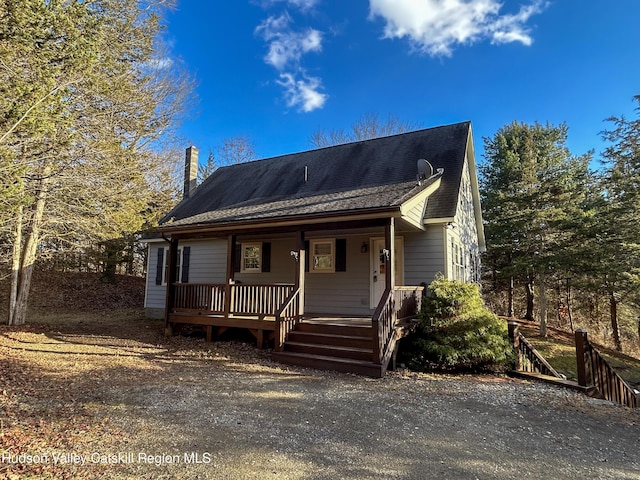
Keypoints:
(425, 169)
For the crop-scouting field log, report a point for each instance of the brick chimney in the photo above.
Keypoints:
(190, 171)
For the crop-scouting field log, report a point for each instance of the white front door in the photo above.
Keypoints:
(378, 268)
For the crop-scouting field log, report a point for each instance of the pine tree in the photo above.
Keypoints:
(616, 237)
(531, 188)
(83, 97)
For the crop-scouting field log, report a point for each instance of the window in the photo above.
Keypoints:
(458, 261)
(182, 265)
(323, 256)
(165, 270)
(251, 258)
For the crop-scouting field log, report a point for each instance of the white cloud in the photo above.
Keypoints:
(436, 26)
(286, 47)
(303, 94)
(303, 5)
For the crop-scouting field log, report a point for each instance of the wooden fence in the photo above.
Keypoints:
(593, 370)
(528, 358)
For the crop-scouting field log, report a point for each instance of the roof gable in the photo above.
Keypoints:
(354, 167)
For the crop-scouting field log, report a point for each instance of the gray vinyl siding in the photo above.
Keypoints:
(423, 255)
(208, 260)
(465, 232)
(416, 214)
(283, 265)
(207, 264)
(342, 293)
(155, 294)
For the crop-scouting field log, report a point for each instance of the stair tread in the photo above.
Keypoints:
(336, 324)
(326, 358)
(328, 346)
(328, 335)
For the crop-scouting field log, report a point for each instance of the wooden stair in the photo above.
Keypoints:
(331, 346)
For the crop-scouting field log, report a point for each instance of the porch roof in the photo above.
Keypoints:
(363, 200)
(357, 178)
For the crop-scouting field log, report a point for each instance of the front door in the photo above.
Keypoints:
(378, 268)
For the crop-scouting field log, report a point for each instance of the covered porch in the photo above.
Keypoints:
(271, 311)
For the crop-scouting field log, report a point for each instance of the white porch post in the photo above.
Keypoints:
(390, 246)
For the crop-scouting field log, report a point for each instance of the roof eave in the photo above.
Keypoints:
(294, 220)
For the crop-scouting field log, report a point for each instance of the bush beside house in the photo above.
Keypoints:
(457, 331)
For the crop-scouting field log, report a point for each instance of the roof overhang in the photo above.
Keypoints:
(419, 201)
(292, 223)
(475, 192)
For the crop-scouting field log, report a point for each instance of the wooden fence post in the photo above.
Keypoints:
(583, 358)
(514, 337)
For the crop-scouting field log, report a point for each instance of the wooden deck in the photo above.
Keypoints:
(362, 345)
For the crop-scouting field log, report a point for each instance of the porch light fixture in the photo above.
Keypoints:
(364, 248)
(295, 254)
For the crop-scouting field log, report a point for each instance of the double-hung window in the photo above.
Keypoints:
(323, 255)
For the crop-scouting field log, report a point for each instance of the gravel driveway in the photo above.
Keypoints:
(300, 424)
(180, 408)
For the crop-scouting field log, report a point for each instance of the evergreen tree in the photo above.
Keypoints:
(615, 239)
(83, 97)
(531, 189)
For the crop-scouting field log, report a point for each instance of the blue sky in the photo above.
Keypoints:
(279, 70)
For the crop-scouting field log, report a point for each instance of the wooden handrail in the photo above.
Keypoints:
(287, 317)
(594, 370)
(401, 303)
(528, 358)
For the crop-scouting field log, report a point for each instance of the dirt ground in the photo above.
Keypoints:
(107, 396)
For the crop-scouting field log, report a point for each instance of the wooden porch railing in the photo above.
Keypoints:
(259, 300)
(528, 358)
(207, 297)
(593, 370)
(287, 317)
(401, 303)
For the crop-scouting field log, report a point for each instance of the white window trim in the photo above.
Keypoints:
(165, 265)
(312, 244)
(257, 269)
(458, 254)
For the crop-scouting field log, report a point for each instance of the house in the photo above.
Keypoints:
(325, 253)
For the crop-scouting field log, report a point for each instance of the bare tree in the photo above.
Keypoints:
(231, 151)
(366, 127)
(235, 150)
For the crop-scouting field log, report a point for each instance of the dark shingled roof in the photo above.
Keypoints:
(353, 177)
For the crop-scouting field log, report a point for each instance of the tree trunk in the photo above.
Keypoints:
(530, 295)
(569, 305)
(15, 266)
(27, 261)
(543, 305)
(615, 330)
(510, 311)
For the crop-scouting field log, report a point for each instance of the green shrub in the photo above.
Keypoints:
(457, 332)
